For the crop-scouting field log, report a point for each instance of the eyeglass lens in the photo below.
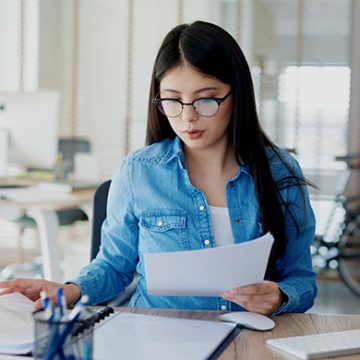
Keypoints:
(204, 107)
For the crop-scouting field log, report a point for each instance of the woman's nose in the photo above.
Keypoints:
(189, 114)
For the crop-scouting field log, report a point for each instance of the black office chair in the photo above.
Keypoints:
(99, 215)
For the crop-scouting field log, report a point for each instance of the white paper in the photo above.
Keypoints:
(207, 272)
(33, 194)
(137, 336)
(16, 324)
(13, 357)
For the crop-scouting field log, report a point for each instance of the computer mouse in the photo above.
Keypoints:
(249, 320)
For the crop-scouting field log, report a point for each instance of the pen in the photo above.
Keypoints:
(86, 350)
(47, 306)
(61, 301)
(59, 293)
(57, 343)
(79, 307)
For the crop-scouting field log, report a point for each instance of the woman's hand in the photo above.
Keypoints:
(31, 288)
(261, 298)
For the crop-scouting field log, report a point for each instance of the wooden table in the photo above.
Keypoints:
(44, 214)
(250, 344)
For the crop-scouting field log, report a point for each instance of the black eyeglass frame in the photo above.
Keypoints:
(217, 99)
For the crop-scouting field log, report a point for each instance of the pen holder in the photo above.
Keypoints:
(62, 340)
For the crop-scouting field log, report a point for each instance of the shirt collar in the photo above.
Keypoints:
(175, 151)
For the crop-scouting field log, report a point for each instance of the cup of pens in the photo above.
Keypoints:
(62, 335)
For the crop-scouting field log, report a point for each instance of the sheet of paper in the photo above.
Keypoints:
(33, 194)
(16, 324)
(137, 336)
(207, 272)
(14, 357)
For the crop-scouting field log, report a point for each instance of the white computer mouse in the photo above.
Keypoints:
(249, 320)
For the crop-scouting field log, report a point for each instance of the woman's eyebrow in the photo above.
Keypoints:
(195, 92)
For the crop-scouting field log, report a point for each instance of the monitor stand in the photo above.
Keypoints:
(4, 150)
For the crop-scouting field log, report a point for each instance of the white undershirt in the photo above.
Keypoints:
(221, 226)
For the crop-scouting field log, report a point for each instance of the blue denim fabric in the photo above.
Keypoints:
(153, 207)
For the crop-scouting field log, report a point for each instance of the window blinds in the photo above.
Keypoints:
(100, 55)
(18, 45)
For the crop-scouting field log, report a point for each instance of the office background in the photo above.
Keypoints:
(304, 57)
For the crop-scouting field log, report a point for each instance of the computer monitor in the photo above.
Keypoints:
(29, 128)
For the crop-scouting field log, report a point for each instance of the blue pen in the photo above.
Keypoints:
(47, 306)
(87, 350)
(60, 300)
(53, 315)
(64, 304)
(56, 346)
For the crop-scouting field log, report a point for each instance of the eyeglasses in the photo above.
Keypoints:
(205, 106)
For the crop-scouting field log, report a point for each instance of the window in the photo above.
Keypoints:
(19, 29)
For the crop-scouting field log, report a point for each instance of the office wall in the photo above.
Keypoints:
(100, 54)
(104, 80)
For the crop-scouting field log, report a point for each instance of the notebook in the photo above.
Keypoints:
(138, 336)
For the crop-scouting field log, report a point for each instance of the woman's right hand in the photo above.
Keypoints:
(31, 288)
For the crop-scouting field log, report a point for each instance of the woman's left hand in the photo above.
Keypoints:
(261, 298)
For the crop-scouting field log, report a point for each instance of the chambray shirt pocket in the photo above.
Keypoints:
(163, 231)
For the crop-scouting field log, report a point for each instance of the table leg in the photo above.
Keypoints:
(48, 228)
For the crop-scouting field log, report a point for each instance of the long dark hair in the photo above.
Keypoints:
(213, 51)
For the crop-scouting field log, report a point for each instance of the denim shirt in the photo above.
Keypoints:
(153, 207)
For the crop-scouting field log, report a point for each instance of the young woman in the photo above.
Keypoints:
(208, 177)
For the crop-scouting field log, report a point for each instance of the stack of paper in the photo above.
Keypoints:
(16, 324)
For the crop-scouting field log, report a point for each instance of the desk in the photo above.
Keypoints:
(251, 344)
(44, 214)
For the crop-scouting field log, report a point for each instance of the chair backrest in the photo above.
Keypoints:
(99, 215)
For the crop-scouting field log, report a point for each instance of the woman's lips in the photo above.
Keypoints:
(194, 134)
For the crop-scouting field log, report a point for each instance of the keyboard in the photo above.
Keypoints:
(318, 346)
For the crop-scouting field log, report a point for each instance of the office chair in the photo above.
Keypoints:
(99, 215)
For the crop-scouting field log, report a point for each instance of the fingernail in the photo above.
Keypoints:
(233, 291)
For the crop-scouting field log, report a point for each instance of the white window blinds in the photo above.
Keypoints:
(18, 44)
(99, 54)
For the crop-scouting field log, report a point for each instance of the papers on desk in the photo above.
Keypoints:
(68, 185)
(129, 335)
(207, 272)
(35, 194)
(16, 324)
(138, 336)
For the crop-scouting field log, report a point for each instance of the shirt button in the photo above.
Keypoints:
(231, 184)
(202, 208)
(160, 223)
(223, 307)
(236, 219)
(207, 242)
